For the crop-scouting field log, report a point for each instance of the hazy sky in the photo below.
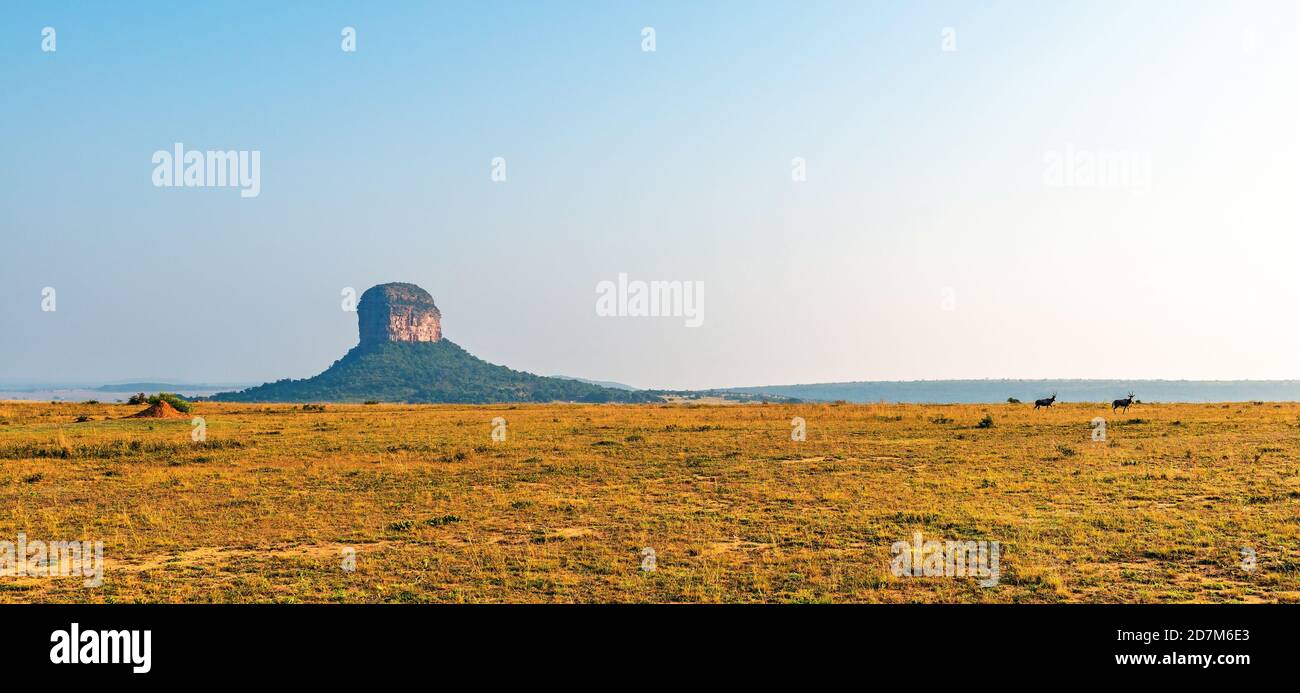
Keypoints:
(950, 225)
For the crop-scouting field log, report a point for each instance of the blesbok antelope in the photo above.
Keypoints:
(1045, 402)
(1124, 403)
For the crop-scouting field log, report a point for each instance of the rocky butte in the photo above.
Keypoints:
(398, 312)
(403, 357)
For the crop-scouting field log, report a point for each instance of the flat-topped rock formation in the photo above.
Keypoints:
(398, 312)
(403, 357)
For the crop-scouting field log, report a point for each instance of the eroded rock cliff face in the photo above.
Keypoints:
(398, 312)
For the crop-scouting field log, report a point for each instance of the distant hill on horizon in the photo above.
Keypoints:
(1067, 390)
(602, 383)
(153, 386)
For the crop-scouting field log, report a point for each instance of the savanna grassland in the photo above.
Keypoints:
(436, 511)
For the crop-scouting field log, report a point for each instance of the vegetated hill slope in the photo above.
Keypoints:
(427, 372)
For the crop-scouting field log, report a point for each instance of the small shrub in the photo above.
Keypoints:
(371, 401)
(401, 526)
(986, 422)
(440, 521)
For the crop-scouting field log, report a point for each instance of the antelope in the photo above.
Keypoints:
(1122, 403)
(1045, 402)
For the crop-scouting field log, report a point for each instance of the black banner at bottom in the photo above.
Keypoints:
(213, 643)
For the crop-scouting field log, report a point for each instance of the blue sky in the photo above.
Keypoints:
(925, 242)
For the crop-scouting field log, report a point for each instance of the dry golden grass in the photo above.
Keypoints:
(735, 511)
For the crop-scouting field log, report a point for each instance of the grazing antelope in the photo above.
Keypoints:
(1122, 403)
(1045, 402)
